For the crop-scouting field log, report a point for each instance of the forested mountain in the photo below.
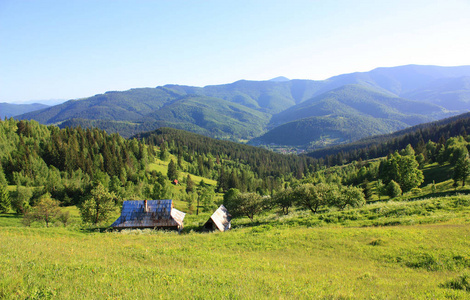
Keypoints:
(380, 100)
(10, 109)
(378, 146)
(67, 163)
(346, 114)
(262, 162)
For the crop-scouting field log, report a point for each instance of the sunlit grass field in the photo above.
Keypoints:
(352, 254)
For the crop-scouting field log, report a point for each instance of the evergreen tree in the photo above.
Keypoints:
(366, 189)
(164, 155)
(380, 188)
(189, 184)
(20, 203)
(172, 171)
(393, 189)
(5, 202)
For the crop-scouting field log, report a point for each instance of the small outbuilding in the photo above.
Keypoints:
(220, 220)
(157, 214)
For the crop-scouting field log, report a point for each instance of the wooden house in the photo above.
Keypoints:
(220, 220)
(157, 214)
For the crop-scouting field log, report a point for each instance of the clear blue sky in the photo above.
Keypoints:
(77, 48)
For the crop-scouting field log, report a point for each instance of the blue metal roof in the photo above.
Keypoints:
(158, 213)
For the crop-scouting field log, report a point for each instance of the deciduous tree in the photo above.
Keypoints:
(313, 196)
(245, 204)
(462, 169)
(99, 206)
(47, 210)
(284, 199)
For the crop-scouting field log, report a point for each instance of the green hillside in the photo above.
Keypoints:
(213, 117)
(319, 132)
(419, 136)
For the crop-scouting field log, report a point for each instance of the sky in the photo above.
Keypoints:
(78, 48)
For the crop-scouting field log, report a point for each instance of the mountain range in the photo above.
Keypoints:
(304, 113)
(9, 109)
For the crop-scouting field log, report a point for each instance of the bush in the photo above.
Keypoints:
(460, 283)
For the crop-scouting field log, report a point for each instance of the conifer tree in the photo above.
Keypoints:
(393, 189)
(172, 171)
(189, 184)
(5, 201)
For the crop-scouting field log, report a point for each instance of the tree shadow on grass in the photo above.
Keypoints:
(11, 216)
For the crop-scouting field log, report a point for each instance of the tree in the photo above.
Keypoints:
(189, 184)
(380, 187)
(313, 196)
(20, 203)
(393, 189)
(3, 180)
(366, 189)
(462, 169)
(99, 206)
(47, 210)
(245, 204)
(164, 155)
(191, 198)
(284, 199)
(348, 196)
(172, 171)
(404, 170)
(408, 151)
(5, 202)
(206, 197)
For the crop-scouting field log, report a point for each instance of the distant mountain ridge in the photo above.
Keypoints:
(10, 110)
(374, 102)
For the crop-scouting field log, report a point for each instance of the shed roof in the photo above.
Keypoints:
(157, 214)
(221, 219)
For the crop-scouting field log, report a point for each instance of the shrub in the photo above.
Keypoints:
(460, 283)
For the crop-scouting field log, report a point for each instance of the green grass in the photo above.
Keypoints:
(162, 166)
(299, 256)
(436, 173)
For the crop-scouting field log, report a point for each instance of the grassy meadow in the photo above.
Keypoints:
(416, 249)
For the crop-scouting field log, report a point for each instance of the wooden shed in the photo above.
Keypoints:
(220, 220)
(157, 214)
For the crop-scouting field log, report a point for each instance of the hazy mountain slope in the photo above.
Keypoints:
(129, 105)
(10, 109)
(450, 93)
(358, 100)
(397, 80)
